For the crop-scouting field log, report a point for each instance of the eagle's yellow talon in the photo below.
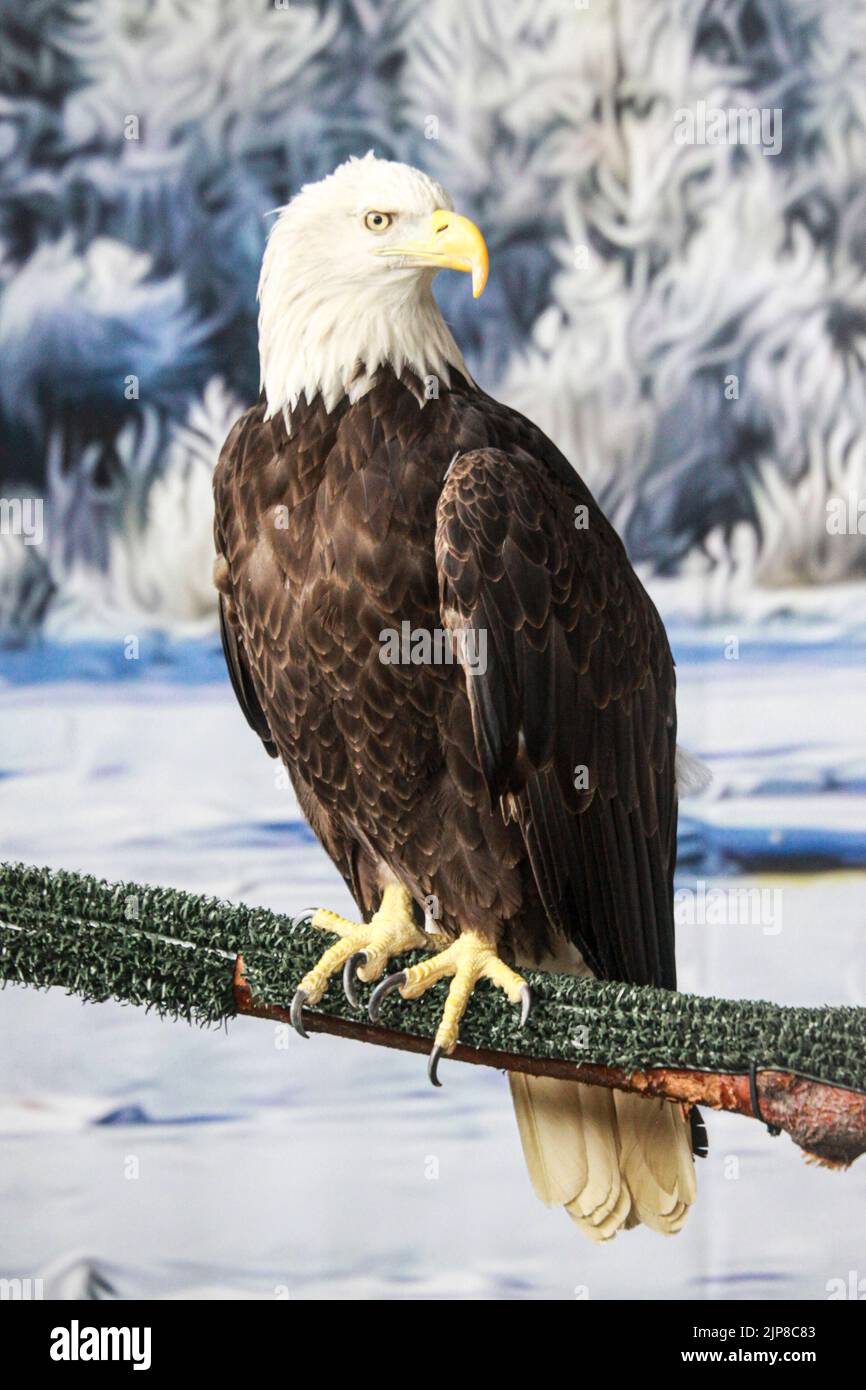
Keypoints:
(468, 959)
(390, 931)
(326, 920)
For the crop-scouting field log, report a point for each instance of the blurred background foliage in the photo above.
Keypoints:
(687, 321)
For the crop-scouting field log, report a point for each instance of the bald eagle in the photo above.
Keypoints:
(429, 620)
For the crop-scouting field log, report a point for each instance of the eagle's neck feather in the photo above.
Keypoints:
(314, 342)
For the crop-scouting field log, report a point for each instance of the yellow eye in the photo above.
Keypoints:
(378, 221)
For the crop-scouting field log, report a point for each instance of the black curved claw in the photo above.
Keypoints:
(433, 1065)
(525, 1003)
(349, 980)
(382, 990)
(296, 1011)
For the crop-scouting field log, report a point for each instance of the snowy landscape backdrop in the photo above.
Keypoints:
(680, 304)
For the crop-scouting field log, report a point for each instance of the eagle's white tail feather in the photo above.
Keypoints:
(655, 1154)
(611, 1160)
(569, 1137)
(692, 776)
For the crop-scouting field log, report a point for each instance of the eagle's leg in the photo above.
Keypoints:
(467, 960)
(365, 947)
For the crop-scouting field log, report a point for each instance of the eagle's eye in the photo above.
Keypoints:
(378, 221)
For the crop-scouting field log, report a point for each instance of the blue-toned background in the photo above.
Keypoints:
(687, 321)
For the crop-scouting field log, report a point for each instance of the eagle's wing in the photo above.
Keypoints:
(578, 677)
(239, 674)
(256, 653)
(243, 434)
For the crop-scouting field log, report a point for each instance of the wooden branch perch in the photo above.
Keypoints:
(798, 1069)
(827, 1122)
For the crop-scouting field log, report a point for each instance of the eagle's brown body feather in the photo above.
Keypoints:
(457, 512)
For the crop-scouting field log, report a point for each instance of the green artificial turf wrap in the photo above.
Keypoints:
(174, 952)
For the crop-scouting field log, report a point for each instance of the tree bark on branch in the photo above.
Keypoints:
(827, 1122)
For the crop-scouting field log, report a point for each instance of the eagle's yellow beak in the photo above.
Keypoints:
(451, 243)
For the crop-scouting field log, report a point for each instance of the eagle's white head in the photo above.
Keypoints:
(346, 283)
